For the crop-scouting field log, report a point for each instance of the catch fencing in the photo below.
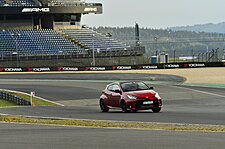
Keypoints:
(14, 98)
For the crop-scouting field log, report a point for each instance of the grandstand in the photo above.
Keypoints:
(89, 38)
(35, 42)
(36, 29)
(17, 3)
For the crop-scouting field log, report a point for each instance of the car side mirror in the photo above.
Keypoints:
(151, 88)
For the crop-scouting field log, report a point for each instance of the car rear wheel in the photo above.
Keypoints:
(156, 110)
(103, 106)
(123, 106)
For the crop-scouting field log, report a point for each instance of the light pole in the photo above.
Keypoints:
(157, 52)
(206, 53)
(223, 53)
(174, 56)
(193, 55)
(93, 49)
(199, 57)
(110, 60)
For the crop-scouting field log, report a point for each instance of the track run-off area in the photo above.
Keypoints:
(79, 93)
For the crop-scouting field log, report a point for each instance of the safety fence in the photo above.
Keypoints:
(14, 98)
(121, 67)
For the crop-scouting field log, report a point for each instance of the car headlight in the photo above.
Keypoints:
(131, 97)
(157, 95)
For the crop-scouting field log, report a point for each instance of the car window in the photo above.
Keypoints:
(134, 86)
(142, 86)
(116, 87)
(113, 88)
(110, 88)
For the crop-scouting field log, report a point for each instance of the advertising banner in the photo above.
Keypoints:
(95, 68)
(148, 67)
(133, 67)
(68, 69)
(192, 65)
(121, 67)
(39, 69)
(13, 69)
(172, 65)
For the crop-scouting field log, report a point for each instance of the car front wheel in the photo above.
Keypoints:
(156, 110)
(103, 106)
(123, 106)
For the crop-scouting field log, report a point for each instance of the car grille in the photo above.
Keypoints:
(145, 97)
(139, 103)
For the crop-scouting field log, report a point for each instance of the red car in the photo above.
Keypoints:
(130, 96)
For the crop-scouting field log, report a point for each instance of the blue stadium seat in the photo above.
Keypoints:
(89, 39)
(29, 42)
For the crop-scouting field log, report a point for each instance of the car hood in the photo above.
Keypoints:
(142, 93)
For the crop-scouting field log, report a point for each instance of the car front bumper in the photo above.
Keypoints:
(143, 104)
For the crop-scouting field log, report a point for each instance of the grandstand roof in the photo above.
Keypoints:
(48, 6)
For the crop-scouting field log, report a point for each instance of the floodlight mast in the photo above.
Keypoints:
(137, 35)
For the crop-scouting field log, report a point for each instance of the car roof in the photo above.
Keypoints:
(124, 82)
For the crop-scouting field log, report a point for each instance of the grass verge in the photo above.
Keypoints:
(221, 85)
(36, 101)
(112, 124)
(6, 103)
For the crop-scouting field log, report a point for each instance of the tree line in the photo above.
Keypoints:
(184, 43)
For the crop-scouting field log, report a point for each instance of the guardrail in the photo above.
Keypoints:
(14, 98)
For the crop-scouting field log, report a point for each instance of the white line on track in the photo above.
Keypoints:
(213, 94)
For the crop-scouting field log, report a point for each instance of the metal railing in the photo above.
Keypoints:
(14, 98)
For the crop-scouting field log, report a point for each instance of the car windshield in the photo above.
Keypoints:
(133, 86)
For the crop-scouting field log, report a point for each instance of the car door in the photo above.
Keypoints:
(116, 96)
(108, 93)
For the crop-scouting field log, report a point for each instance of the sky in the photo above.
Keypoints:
(159, 14)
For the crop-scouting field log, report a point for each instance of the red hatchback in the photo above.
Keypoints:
(130, 96)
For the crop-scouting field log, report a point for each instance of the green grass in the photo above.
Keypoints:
(112, 124)
(222, 85)
(6, 103)
(36, 101)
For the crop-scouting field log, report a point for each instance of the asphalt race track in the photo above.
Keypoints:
(80, 92)
(22, 136)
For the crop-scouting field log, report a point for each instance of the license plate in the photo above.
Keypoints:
(147, 102)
